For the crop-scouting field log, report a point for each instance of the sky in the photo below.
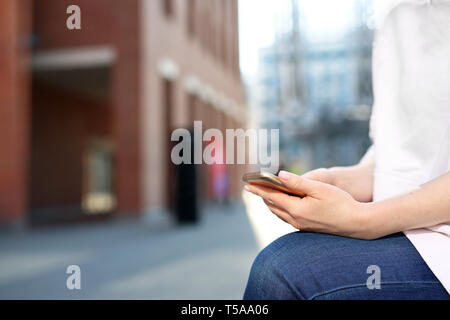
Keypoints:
(256, 30)
(259, 19)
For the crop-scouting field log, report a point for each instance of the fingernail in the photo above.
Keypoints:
(284, 175)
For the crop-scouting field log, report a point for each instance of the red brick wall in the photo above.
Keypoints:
(127, 106)
(98, 20)
(14, 108)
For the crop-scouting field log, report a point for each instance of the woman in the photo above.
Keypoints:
(379, 229)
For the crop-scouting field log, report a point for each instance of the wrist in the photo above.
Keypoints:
(376, 222)
(367, 223)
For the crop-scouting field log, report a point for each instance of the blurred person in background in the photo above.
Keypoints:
(219, 175)
(388, 215)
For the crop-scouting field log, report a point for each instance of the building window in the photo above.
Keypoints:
(98, 193)
(191, 15)
(168, 91)
(168, 7)
(224, 33)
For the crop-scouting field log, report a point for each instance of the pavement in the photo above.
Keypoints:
(132, 259)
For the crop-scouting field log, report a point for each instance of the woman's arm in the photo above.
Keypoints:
(329, 209)
(425, 206)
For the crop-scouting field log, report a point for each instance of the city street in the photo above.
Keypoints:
(144, 258)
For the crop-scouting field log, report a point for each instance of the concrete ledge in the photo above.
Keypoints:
(74, 58)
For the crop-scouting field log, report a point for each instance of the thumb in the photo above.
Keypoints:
(299, 184)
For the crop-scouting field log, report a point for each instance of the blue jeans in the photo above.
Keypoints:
(320, 266)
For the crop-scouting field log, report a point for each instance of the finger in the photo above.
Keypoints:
(280, 199)
(280, 213)
(301, 185)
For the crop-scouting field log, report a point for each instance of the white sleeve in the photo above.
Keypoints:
(384, 57)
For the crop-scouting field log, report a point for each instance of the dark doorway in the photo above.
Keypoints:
(72, 155)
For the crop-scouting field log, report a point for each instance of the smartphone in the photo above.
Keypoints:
(268, 180)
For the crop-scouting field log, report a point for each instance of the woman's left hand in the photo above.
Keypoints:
(324, 209)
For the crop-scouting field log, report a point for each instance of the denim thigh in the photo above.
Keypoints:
(304, 265)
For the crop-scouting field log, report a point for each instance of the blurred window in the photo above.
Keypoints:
(168, 7)
(98, 195)
(223, 33)
(191, 15)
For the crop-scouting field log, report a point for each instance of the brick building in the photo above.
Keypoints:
(86, 115)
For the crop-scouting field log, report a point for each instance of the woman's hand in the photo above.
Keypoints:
(323, 175)
(356, 180)
(324, 209)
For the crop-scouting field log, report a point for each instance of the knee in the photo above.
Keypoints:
(263, 274)
(269, 279)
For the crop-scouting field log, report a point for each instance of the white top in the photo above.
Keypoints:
(410, 124)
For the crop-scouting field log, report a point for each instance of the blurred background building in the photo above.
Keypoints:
(86, 115)
(318, 90)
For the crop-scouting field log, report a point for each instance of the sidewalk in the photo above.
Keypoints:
(132, 259)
